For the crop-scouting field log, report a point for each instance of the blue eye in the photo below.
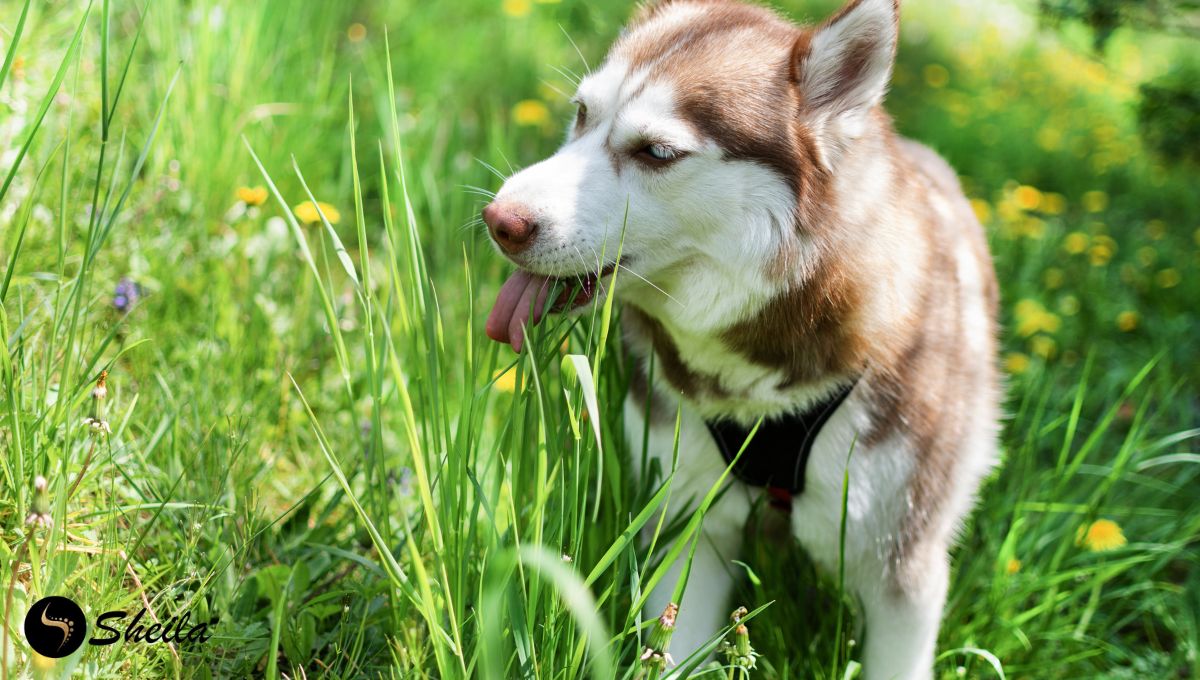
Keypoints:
(657, 153)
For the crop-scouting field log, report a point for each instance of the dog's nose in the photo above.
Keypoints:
(512, 228)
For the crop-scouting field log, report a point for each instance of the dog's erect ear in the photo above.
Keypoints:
(843, 67)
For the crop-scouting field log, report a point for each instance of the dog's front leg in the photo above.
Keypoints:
(705, 606)
(903, 612)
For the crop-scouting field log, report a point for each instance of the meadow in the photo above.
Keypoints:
(252, 224)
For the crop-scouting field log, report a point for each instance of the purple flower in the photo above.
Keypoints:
(126, 294)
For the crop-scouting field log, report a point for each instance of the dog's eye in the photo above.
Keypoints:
(657, 154)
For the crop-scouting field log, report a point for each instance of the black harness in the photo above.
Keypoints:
(777, 456)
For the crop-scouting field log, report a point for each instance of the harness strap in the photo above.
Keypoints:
(777, 457)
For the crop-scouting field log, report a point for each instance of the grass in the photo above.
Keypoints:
(312, 440)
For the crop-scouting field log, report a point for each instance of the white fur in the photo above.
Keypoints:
(697, 236)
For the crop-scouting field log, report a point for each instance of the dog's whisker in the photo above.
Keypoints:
(648, 282)
(471, 189)
(491, 168)
(577, 50)
(560, 93)
(568, 75)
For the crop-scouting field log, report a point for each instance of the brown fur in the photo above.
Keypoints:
(915, 370)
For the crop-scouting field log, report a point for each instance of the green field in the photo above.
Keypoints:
(311, 439)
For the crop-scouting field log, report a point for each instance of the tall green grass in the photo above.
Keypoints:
(312, 439)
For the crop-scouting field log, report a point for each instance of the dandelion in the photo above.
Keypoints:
(1032, 318)
(1095, 201)
(1167, 278)
(1156, 229)
(1012, 566)
(1053, 204)
(983, 210)
(1053, 278)
(39, 515)
(1027, 197)
(252, 196)
(356, 33)
(1069, 305)
(1050, 138)
(1147, 255)
(505, 381)
(936, 76)
(1032, 227)
(1100, 254)
(1075, 242)
(126, 294)
(655, 656)
(531, 113)
(1016, 363)
(739, 654)
(1100, 536)
(1043, 346)
(310, 213)
(1127, 320)
(43, 664)
(516, 8)
(96, 420)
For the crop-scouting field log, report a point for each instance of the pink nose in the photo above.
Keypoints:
(512, 228)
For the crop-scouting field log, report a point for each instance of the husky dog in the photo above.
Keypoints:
(789, 259)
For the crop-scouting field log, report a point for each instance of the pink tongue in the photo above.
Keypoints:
(512, 309)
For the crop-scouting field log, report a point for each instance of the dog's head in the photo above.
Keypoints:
(707, 140)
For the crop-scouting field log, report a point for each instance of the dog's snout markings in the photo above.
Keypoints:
(820, 258)
(511, 227)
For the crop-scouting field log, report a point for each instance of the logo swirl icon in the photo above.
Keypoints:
(55, 626)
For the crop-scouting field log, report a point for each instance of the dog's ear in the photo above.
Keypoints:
(843, 67)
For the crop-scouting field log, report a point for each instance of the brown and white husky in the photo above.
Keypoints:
(784, 249)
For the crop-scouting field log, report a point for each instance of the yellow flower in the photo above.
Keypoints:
(356, 33)
(1127, 320)
(505, 381)
(1076, 242)
(1016, 363)
(307, 212)
(42, 664)
(1069, 305)
(1013, 566)
(1100, 254)
(1053, 278)
(1101, 535)
(1167, 278)
(1032, 227)
(1095, 201)
(1027, 197)
(516, 8)
(1156, 229)
(252, 196)
(983, 210)
(1147, 255)
(531, 112)
(1043, 346)
(1053, 204)
(1050, 138)
(1032, 317)
(936, 75)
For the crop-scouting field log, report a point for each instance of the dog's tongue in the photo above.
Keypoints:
(522, 293)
